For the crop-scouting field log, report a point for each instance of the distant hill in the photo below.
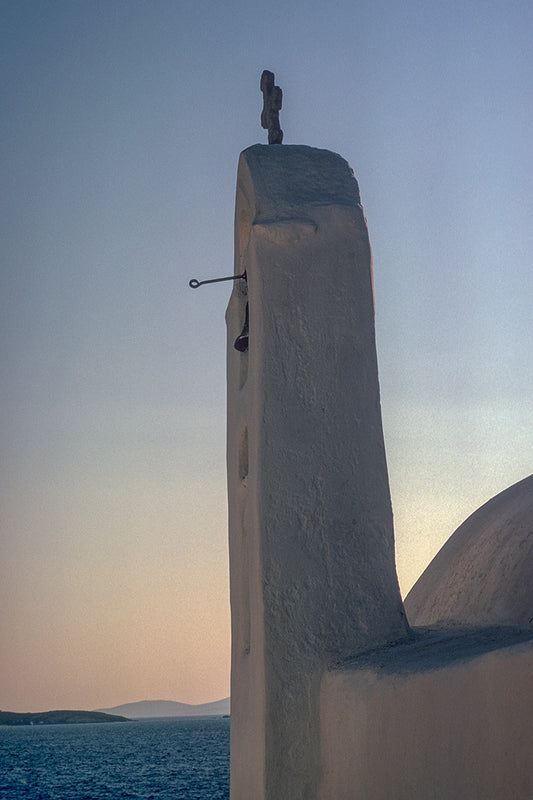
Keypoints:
(57, 718)
(168, 708)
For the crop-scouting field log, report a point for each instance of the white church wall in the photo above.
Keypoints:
(458, 731)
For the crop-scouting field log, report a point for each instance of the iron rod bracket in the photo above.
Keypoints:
(194, 284)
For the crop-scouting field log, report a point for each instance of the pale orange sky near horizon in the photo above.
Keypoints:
(123, 124)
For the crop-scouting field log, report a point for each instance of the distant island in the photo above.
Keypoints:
(144, 709)
(168, 708)
(58, 718)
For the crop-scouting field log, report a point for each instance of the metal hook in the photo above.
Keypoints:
(194, 284)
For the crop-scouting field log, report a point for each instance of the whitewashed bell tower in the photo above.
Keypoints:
(313, 578)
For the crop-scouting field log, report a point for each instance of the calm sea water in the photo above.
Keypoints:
(164, 759)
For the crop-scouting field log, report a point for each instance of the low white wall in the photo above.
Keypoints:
(461, 731)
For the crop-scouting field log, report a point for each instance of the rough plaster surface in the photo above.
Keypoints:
(483, 575)
(445, 717)
(313, 577)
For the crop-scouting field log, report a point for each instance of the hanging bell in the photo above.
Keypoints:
(241, 342)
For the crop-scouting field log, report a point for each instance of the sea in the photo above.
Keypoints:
(149, 759)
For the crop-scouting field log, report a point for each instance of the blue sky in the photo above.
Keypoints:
(122, 123)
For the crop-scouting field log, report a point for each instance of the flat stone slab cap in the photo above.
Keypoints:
(289, 177)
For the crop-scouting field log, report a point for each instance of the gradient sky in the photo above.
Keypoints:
(122, 122)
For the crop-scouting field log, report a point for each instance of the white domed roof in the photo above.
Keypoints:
(483, 575)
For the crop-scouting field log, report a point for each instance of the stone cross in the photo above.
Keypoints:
(272, 97)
